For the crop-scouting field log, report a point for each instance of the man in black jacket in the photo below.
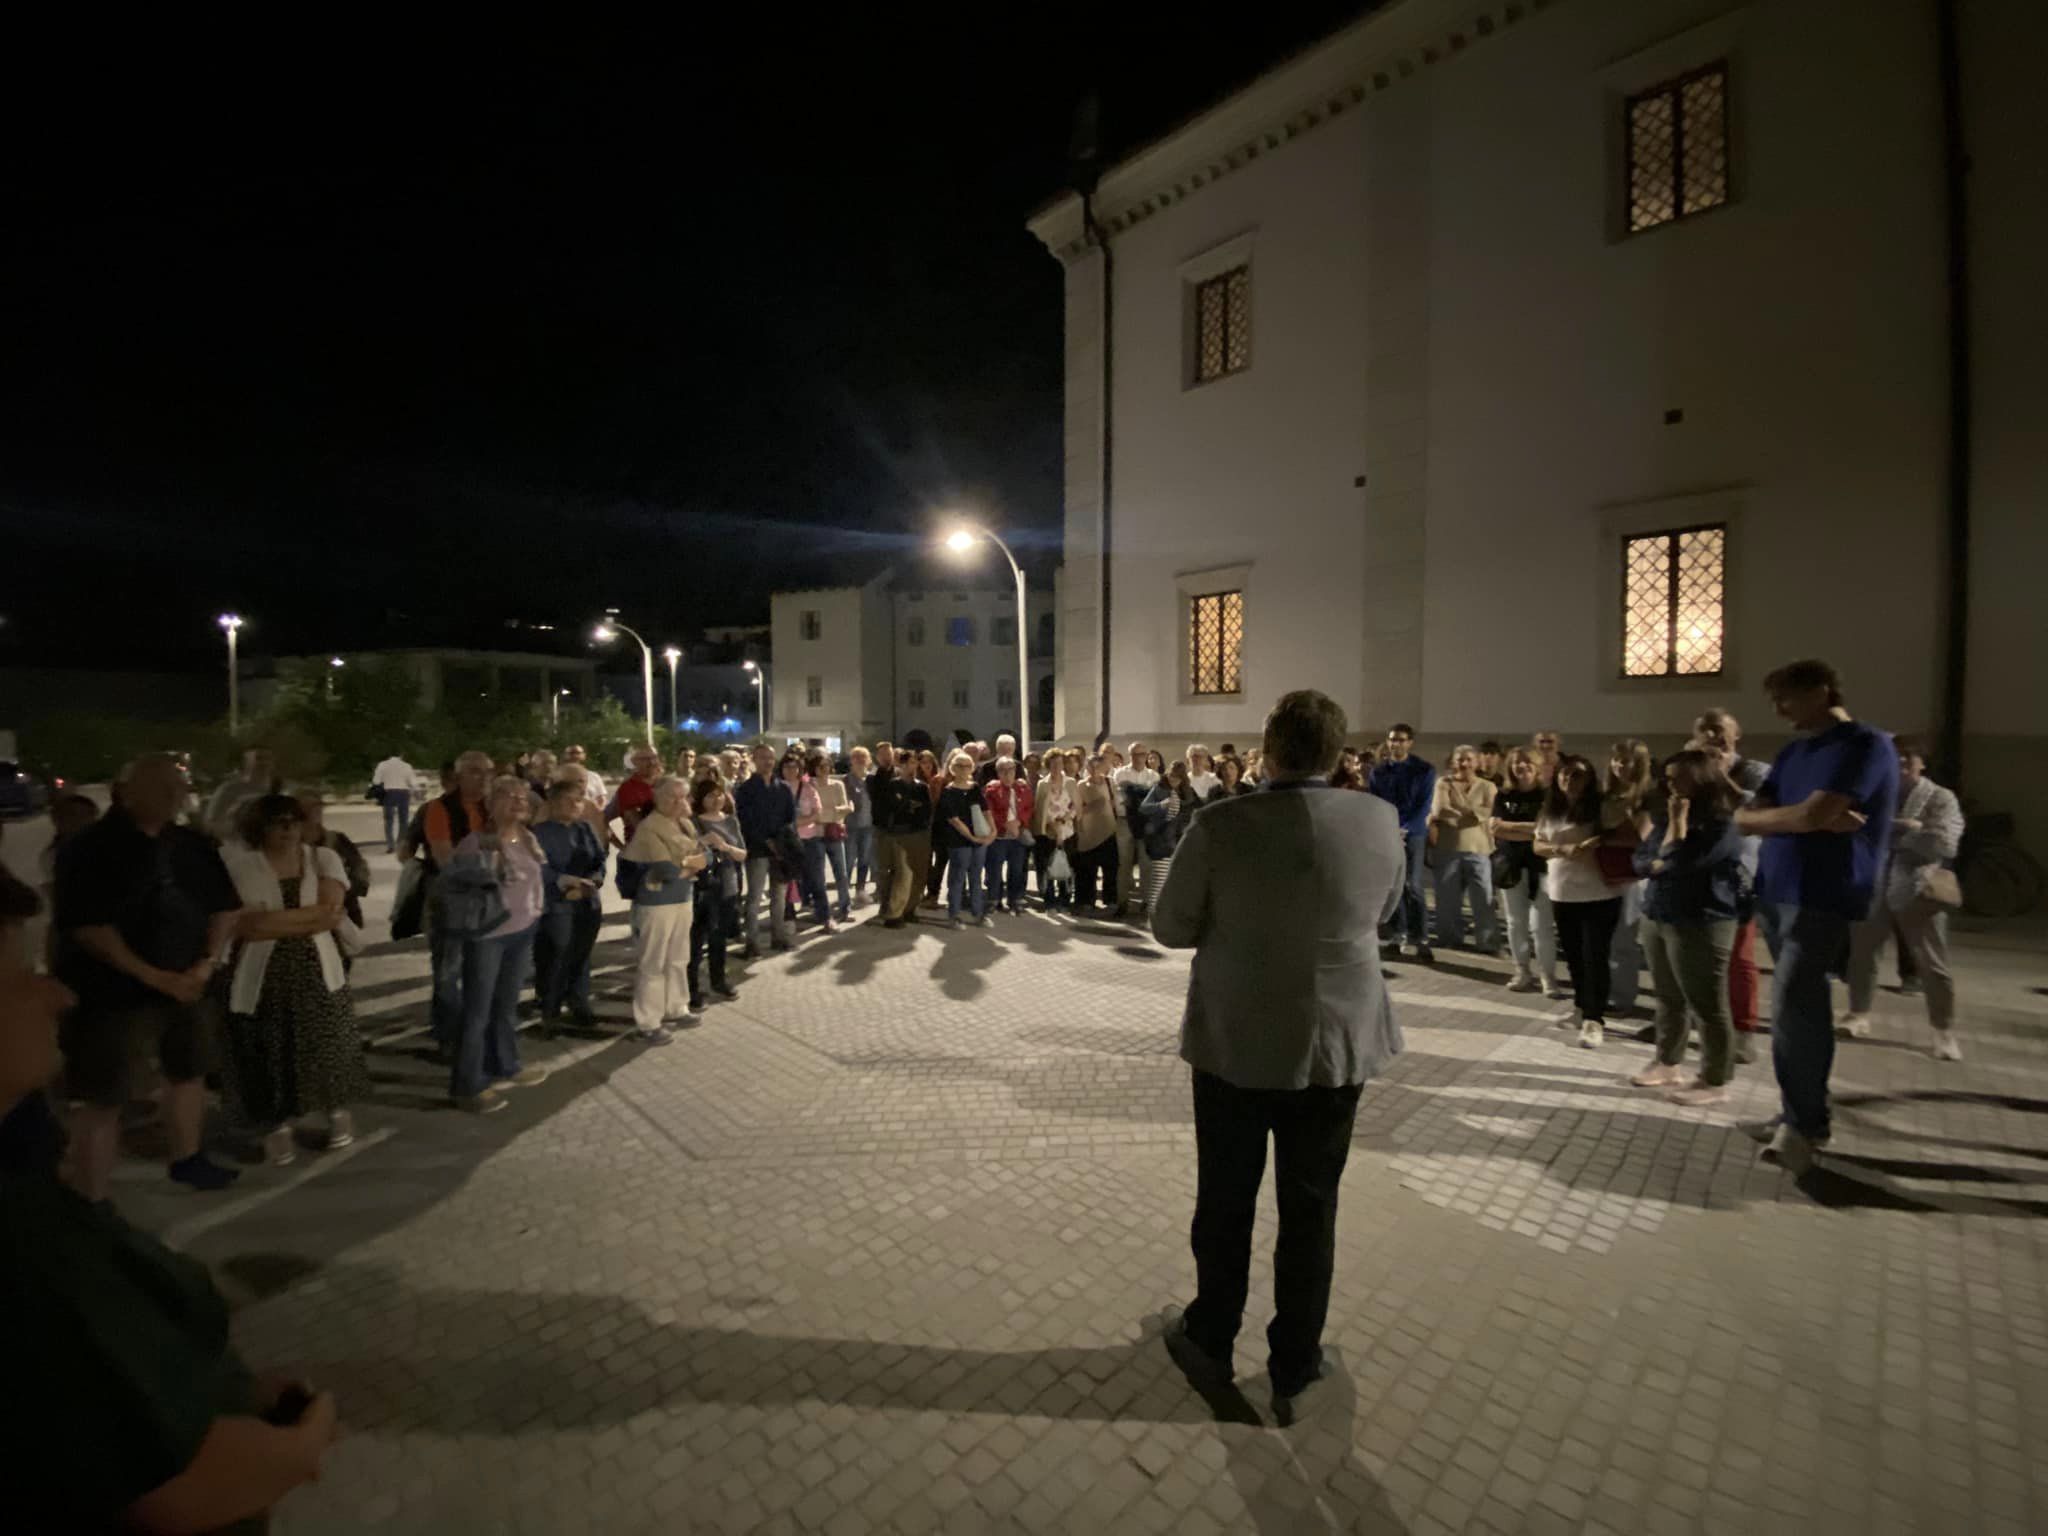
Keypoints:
(903, 836)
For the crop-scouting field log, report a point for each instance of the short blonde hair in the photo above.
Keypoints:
(957, 756)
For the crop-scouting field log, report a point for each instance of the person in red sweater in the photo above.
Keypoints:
(1009, 804)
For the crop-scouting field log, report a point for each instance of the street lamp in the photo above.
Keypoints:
(963, 539)
(609, 630)
(760, 694)
(556, 701)
(232, 623)
(333, 662)
(672, 655)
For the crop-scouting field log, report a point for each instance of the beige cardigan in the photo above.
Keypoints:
(1472, 805)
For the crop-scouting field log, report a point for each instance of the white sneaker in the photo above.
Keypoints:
(1852, 1026)
(1658, 1075)
(1552, 990)
(1522, 982)
(1946, 1046)
(1790, 1151)
(1591, 1035)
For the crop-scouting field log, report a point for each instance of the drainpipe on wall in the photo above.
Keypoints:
(1956, 170)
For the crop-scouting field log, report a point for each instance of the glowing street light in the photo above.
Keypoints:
(672, 655)
(961, 541)
(760, 695)
(609, 630)
(556, 702)
(232, 623)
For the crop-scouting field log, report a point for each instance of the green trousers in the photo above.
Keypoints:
(1689, 970)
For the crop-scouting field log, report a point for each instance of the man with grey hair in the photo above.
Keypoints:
(1280, 894)
(145, 910)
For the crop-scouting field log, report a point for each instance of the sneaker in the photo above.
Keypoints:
(689, 1018)
(1204, 1371)
(341, 1130)
(1425, 954)
(196, 1172)
(1300, 1405)
(279, 1149)
(1910, 987)
(1523, 982)
(525, 1077)
(1700, 1094)
(984, 921)
(1745, 1046)
(1852, 1026)
(489, 1102)
(1946, 1046)
(954, 922)
(1658, 1075)
(1591, 1035)
(1790, 1151)
(653, 1037)
(1552, 990)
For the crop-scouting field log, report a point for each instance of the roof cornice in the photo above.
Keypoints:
(1375, 53)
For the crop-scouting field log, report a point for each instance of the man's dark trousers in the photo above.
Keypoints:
(1311, 1132)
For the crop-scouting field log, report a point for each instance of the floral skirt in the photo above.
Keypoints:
(298, 1053)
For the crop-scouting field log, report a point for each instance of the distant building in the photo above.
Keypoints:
(899, 653)
(1495, 365)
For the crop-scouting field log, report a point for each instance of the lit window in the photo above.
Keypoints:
(1672, 606)
(1223, 324)
(814, 691)
(959, 630)
(914, 631)
(1004, 633)
(960, 696)
(913, 694)
(1006, 695)
(812, 624)
(1677, 138)
(1216, 643)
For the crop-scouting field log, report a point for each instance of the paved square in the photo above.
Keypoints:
(878, 1248)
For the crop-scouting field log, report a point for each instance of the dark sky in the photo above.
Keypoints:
(388, 338)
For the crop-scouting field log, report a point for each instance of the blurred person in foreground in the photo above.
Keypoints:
(1281, 895)
(132, 1410)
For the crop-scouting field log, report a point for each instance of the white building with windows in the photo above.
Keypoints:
(1499, 365)
(895, 655)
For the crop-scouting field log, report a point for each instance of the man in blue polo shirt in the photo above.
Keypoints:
(1825, 816)
(1408, 784)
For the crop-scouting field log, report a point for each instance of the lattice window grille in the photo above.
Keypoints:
(1674, 609)
(1223, 324)
(1216, 643)
(1678, 149)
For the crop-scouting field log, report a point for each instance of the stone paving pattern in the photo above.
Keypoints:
(880, 1247)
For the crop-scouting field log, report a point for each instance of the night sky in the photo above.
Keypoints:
(388, 339)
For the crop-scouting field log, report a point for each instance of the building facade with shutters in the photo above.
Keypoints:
(1496, 366)
(897, 654)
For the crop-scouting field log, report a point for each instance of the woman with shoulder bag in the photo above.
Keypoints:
(800, 774)
(495, 954)
(1915, 894)
(1167, 811)
(670, 859)
(293, 1049)
(1568, 837)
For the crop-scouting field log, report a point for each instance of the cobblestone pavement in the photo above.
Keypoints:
(879, 1248)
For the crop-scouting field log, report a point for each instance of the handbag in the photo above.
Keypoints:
(977, 818)
(1504, 869)
(1617, 865)
(409, 904)
(471, 897)
(1939, 885)
(835, 831)
(375, 792)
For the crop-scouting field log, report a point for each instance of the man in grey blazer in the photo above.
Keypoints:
(1281, 895)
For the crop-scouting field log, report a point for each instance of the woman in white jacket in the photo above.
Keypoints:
(292, 1050)
(1925, 835)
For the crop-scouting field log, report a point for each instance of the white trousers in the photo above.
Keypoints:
(661, 953)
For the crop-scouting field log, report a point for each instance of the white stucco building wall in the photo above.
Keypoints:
(1466, 384)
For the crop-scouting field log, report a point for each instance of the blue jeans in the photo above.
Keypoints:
(1408, 920)
(397, 815)
(813, 883)
(835, 855)
(489, 1048)
(1457, 874)
(561, 955)
(964, 865)
(1008, 859)
(1807, 944)
(860, 854)
(444, 961)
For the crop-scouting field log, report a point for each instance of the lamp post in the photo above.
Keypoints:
(760, 695)
(556, 701)
(960, 541)
(333, 663)
(232, 623)
(672, 656)
(609, 631)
